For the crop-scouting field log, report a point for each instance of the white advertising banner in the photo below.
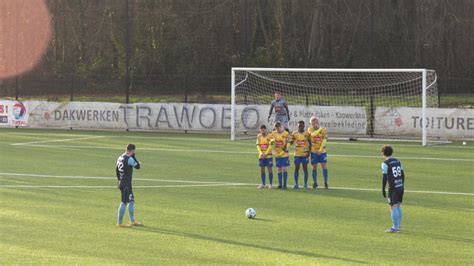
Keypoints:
(448, 123)
(347, 120)
(13, 113)
(171, 116)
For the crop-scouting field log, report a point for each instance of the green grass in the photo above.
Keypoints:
(206, 224)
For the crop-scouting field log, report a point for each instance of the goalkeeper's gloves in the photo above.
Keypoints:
(288, 117)
(268, 119)
(384, 193)
(138, 163)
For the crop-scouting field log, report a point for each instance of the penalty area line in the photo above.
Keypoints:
(407, 191)
(189, 183)
(113, 178)
(247, 152)
(55, 140)
(228, 185)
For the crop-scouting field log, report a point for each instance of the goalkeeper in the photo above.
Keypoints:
(282, 114)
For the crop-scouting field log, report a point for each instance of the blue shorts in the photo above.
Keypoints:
(267, 162)
(321, 158)
(301, 159)
(282, 162)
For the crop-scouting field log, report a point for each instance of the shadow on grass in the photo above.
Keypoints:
(242, 244)
(441, 237)
(262, 220)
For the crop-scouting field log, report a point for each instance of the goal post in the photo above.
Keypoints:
(357, 103)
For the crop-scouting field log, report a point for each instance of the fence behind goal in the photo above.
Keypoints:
(375, 103)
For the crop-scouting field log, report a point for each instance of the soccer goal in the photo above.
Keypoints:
(393, 104)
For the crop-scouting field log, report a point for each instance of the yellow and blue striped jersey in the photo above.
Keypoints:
(264, 145)
(318, 139)
(301, 142)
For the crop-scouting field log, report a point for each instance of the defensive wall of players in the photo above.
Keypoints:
(344, 120)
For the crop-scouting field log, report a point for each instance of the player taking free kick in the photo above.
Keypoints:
(124, 171)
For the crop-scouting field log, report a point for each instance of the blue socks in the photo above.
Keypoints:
(396, 218)
(270, 177)
(399, 217)
(314, 177)
(121, 212)
(262, 177)
(131, 211)
(283, 176)
(325, 175)
(305, 178)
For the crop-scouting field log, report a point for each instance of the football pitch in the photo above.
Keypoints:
(59, 200)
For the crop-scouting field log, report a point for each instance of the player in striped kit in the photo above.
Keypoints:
(302, 141)
(264, 148)
(318, 150)
(280, 138)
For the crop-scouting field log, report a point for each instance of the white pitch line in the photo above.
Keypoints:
(403, 157)
(55, 140)
(379, 144)
(154, 186)
(440, 192)
(114, 178)
(229, 184)
(407, 191)
(363, 142)
(193, 183)
(9, 133)
(144, 149)
(248, 152)
(125, 136)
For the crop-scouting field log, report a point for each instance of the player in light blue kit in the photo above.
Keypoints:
(393, 174)
(124, 171)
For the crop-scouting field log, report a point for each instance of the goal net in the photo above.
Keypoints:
(354, 103)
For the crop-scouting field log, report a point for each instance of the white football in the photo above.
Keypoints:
(250, 213)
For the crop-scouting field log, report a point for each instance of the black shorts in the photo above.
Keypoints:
(395, 197)
(127, 194)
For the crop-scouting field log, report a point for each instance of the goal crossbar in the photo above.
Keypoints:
(274, 71)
